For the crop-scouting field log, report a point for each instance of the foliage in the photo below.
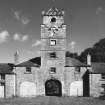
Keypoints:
(97, 52)
(72, 55)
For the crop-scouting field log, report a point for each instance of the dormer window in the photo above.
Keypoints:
(28, 69)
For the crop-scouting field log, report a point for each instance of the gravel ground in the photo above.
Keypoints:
(52, 101)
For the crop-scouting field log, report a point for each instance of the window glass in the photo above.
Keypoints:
(52, 70)
(52, 55)
(3, 76)
(103, 76)
(52, 42)
(28, 69)
(77, 69)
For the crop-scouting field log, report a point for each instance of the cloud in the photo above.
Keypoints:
(20, 37)
(99, 10)
(25, 37)
(17, 15)
(23, 19)
(16, 37)
(37, 43)
(4, 36)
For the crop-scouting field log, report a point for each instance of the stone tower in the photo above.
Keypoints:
(53, 38)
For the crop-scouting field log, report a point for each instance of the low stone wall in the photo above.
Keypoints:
(95, 85)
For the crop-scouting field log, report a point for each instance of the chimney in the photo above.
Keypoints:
(88, 59)
(16, 57)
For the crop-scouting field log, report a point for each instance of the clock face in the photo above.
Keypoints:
(53, 31)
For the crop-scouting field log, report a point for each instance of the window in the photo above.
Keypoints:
(28, 69)
(2, 84)
(52, 70)
(2, 76)
(52, 55)
(52, 42)
(103, 76)
(103, 86)
(77, 69)
(2, 79)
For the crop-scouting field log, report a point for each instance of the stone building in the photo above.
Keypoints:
(55, 75)
(52, 74)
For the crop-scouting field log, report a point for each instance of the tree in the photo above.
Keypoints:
(72, 55)
(97, 52)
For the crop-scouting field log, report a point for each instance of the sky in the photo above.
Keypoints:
(20, 22)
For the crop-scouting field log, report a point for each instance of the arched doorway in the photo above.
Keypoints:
(53, 87)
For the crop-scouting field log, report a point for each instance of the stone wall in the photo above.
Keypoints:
(95, 85)
(10, 85)
(72, 76)
(23, 76)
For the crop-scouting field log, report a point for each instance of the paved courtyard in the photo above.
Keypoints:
(52, 101)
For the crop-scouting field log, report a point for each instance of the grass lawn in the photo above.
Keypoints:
(52, 101)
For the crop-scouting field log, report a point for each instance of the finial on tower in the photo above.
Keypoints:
(53, 11)
(16, 57)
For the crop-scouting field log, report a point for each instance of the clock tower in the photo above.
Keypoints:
(53, 38)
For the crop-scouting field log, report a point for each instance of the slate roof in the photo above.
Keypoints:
(98, 67)
(54, 12)
(6, 68)
(72, 62)
(27, 64)
(34, 62)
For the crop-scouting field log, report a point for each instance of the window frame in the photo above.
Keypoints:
(52, 54)
(54, 41)
(78, 69)
(2, 76)
(28, 69)
(52, 70)
(103, 76)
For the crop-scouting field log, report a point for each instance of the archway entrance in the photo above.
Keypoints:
(53, 87)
